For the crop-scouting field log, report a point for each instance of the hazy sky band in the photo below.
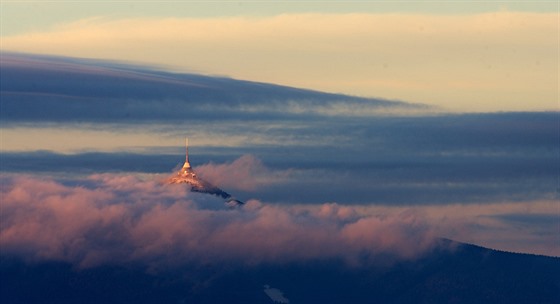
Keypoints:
(24, 16)
(470, 57)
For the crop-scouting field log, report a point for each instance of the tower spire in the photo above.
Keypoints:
(187, 164)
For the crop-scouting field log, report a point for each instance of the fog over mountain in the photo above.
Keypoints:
(347, 199)
(117, 239)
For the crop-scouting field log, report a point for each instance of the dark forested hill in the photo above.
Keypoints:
(466, 274)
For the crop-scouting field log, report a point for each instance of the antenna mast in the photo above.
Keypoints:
(187, 164)
(187, 149)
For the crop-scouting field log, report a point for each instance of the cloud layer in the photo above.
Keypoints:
(245, 173)
(120, 219)
(314, 148)
(492, 61)
(57, 89)
(473, 158)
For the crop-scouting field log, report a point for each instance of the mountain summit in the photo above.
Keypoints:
(187, 176)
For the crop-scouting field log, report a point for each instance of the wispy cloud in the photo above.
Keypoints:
(245, 173)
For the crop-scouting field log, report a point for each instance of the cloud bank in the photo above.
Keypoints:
(123, 219)
(491, 61)
(245, 173)
(316, 151)
(57, 89)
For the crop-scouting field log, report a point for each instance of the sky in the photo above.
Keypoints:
(484, 178)
(381, 126)
(459, 55)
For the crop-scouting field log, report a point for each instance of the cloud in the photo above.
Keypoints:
(443, 159)
(516, 226)
(491, 61)
(116, 218)
(245, 173)
(121, 218)
(58, 89)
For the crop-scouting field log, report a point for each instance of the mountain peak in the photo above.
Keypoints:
(186, 175)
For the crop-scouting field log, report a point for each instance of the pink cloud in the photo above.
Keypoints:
(245, 173)
(123, 219)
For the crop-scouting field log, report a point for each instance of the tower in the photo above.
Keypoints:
(187, 176)
(186, 165)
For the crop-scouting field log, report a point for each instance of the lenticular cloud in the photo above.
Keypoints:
(122, 219)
